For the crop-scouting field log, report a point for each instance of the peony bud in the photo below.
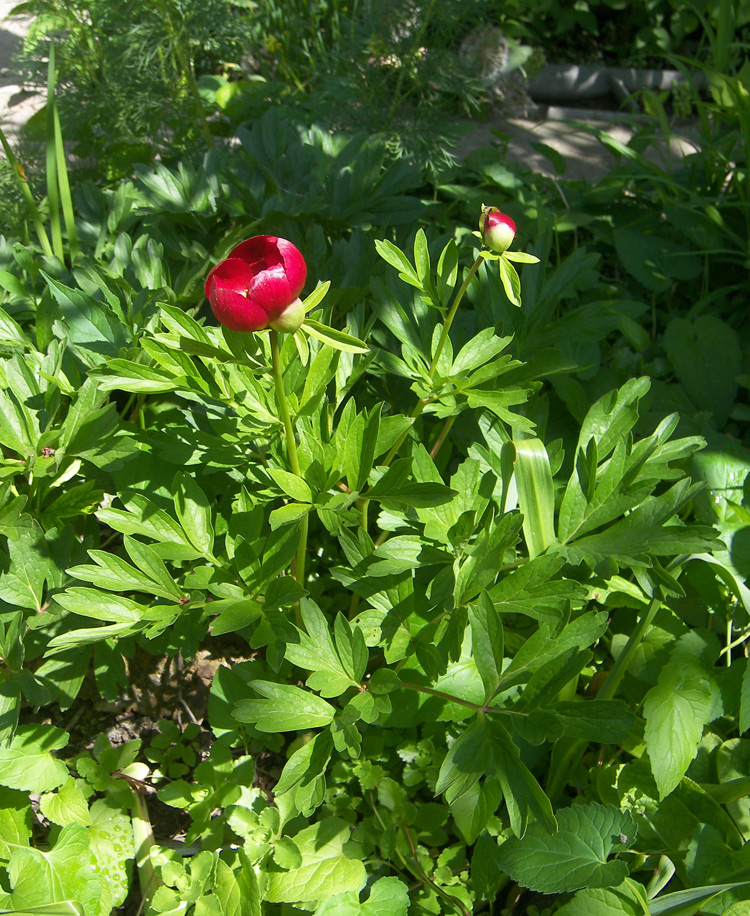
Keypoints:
(258, 285)
(498, 229)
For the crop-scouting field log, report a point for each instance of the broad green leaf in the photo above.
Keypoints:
(289, 514)
(707, 358)
(284, 709)
(194, 512)
(314, 651)
(627, 899)
(655, 261)
(64, 873)
(111, 841)
(28, 763)
(326, 870)
(422, 258)
(67, 805)
(125, 375)
(487, 642)
(465, 763)
(294, 487)
(387, 895)
(15, 820)
(511, 281)
(574, 857)
(236, 891)
(604, 721)
(89, 602)
(520, 257)
(676, 711)
(498, 401)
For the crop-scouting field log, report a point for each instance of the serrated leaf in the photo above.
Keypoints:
(326, 869)
(387, 895)
(28, 764)
(676, 711)
(574, 857)
(66, 806)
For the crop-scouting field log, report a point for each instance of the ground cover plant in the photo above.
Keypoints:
(366, 548)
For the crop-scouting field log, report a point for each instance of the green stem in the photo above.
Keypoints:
(143, 839)
(452, 314)
(447, 426)
(423, 402)
(23, 183)
(573, 752)
(291, 448)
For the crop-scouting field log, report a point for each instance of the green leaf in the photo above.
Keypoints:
(604, 721)
(511, 281)
(487, 642)
(289, 514)
(574, 857)
(66, 806)
(422, 258)
(326, 870)
(676, 710)
(339, 340)
(691, 900)
(15, 820)
(28, 763)
(194, 512)
(316, 296)
(387, 895)
(655, 261)
(520, 257)
(707, 358)
(499, 401)
(627, 899)
(396, 258)
(314, 651)
(125, 375)
(294, 487)
(536, 497)
(67, 872)
(286, 708)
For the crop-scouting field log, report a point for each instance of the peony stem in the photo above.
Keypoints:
(423, 402)
(452, 314)
(291, 447)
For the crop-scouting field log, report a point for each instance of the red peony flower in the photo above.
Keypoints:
(498, 229)
(258, 286)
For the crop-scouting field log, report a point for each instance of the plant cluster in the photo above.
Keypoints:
(452, 465)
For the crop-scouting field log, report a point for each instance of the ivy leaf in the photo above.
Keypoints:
(574, 857)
